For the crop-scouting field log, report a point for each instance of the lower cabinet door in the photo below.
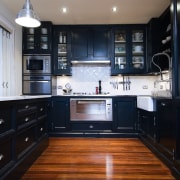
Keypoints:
(5, 152)
(24, 141)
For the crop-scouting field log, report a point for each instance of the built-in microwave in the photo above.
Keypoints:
(36, 64)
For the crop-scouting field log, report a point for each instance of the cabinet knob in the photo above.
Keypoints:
(41, 129)
(91, 126)
(27, 106)
(163, 104)
(41, 109)
(26, 139)
(2, 121)
(26, 119)
(1, 157)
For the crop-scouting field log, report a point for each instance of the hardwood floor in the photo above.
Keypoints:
(97, 158)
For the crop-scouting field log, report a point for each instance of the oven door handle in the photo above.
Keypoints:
(90, 101)
(39, 81)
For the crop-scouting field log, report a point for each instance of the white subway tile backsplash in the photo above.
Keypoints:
(85, 79)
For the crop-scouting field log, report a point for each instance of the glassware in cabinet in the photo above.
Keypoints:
(30, 39)
(44, 38)
(120, 49)
(138, 49)
(62, 51)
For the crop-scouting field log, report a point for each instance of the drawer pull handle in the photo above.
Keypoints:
(41, 129)
(41, 109)
(26, 139)
(26, 119)
(1, 157)
(27, 106)
(2, 121)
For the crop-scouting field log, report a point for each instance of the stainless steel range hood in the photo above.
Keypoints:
(91, 62)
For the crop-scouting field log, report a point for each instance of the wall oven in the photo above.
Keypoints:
(37, 85)
(37, 64)
(37, 74)
(91, 109)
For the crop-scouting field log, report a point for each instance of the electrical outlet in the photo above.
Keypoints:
(59, 87)
(161, 86)
(145, 87)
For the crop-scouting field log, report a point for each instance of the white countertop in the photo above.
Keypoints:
(10, 98)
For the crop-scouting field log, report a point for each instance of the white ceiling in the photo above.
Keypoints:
(93, 11)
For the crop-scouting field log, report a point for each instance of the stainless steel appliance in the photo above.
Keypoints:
(37, 74)
(37, 85)
(37, 64)
(91, 109)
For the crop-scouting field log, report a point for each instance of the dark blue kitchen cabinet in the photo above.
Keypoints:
(38, 40)
(158, 41)
(61, 50)
(59, 115)
(23, 135)
(90, 43)
(166, 116)
(129, 49)
(147, 126)
(125, 115)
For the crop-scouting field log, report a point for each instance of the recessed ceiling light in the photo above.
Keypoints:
(114, 9)
(64, 10)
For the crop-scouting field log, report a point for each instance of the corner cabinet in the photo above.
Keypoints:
(91, 43)
(61, 51)
(38, 40)
(129, 50)
(125, 115)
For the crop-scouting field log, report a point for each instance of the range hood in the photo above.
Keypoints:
(91, 62)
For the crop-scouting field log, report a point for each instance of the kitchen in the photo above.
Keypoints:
(112, 84)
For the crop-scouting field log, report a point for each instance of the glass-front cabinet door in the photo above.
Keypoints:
(129, 50)
(61, 49)
(120, 57)
(138, 50)
(38, 40)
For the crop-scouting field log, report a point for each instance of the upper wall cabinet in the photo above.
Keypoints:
(129, 50)
(91, 43)
(61, 51)
(38, 40)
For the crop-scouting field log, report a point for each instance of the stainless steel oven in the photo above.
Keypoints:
(91, 109)
(37, 85)
(37, 64)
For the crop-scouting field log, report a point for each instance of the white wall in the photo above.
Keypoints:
(17, 77)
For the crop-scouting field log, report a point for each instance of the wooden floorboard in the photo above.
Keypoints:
(97, 159)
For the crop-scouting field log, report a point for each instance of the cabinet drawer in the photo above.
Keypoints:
(5, 120)
(26, 119)
(92, 126)
(5, 152)
(24, 140)
(41, 129)
(26, 108)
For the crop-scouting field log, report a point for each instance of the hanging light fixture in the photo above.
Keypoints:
(27, 17)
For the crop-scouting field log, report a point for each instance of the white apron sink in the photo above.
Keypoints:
(147, 103)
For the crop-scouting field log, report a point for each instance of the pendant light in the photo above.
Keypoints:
(27, 17)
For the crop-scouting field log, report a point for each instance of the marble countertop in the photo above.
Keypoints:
(21, 97)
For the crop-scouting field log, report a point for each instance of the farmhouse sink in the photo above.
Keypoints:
(147, 103)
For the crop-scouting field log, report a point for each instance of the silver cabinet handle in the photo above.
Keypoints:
(26, 119)
(163, 104)
(2, 121)
(27, 106)
(41, 129)
(26, 139)
(41, 109)
(1, 156)
(3, 84)
(6, 84)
